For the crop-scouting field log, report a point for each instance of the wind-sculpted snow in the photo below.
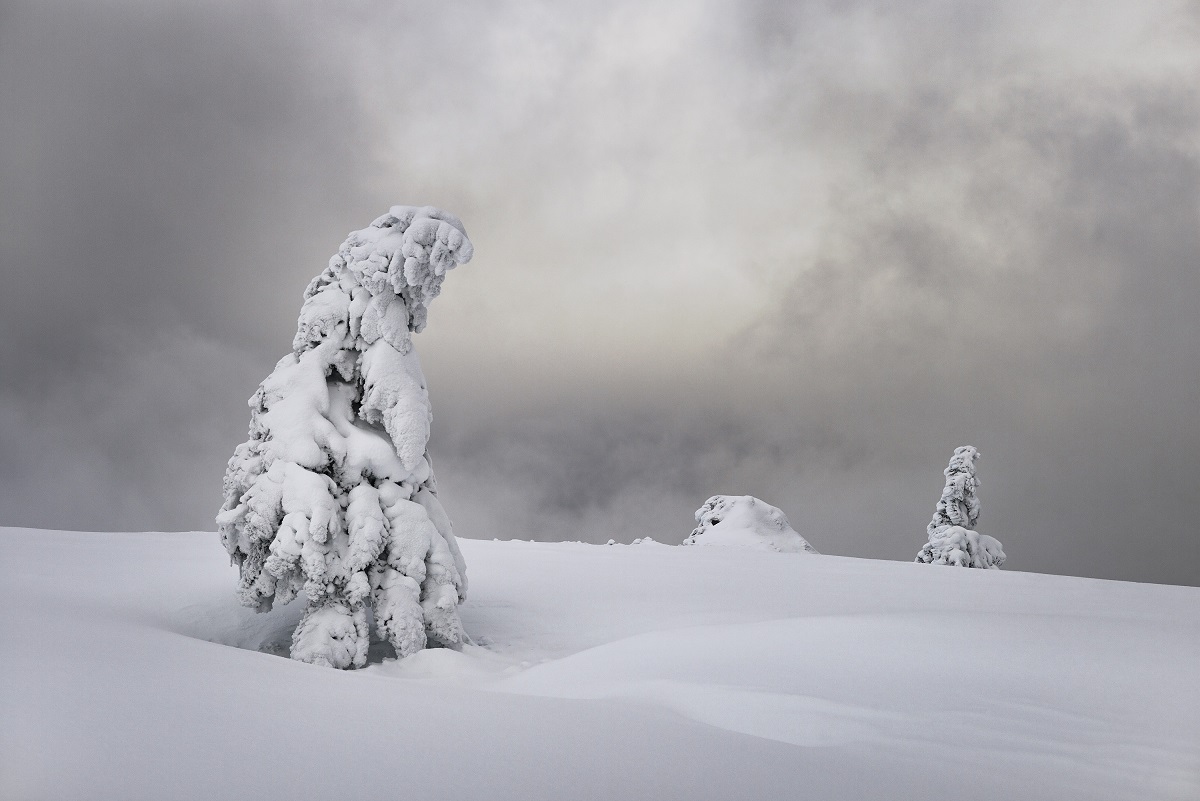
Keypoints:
(743, 521)
(952, 536)
(334, 494)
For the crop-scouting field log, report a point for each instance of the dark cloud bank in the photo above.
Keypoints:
(795, 250)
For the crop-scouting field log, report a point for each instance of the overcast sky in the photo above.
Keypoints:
(798, 250)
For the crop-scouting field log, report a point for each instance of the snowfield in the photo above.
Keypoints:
(598, 672)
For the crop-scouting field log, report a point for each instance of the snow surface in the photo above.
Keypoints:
(131, 672)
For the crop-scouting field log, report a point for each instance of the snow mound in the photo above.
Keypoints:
(743, 521)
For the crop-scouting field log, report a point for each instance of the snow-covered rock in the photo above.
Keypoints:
(333, 494)
(743, 521)
(952, 536)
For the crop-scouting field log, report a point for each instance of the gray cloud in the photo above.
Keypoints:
(1014, 266)
(168, 174)
(796, 250)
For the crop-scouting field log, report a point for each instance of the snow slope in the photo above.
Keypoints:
(598, 672)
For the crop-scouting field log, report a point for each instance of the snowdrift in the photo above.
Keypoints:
(129, 672)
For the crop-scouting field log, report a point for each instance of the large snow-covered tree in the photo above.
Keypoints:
(953, 539)
(333, 494)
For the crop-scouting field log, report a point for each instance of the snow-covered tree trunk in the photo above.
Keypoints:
(952, 536)
(334, 493)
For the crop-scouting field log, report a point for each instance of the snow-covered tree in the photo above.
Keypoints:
(743, 521)
(333, 493)
(952, 536)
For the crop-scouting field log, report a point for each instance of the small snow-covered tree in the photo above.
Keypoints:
(333, 493)
(952, 536)
(745, 522)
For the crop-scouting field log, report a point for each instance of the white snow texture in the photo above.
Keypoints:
(743, 521)
(601, 673)
(333, 493)
(952, 536)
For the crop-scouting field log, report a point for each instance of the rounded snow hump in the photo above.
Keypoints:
(745, 522)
